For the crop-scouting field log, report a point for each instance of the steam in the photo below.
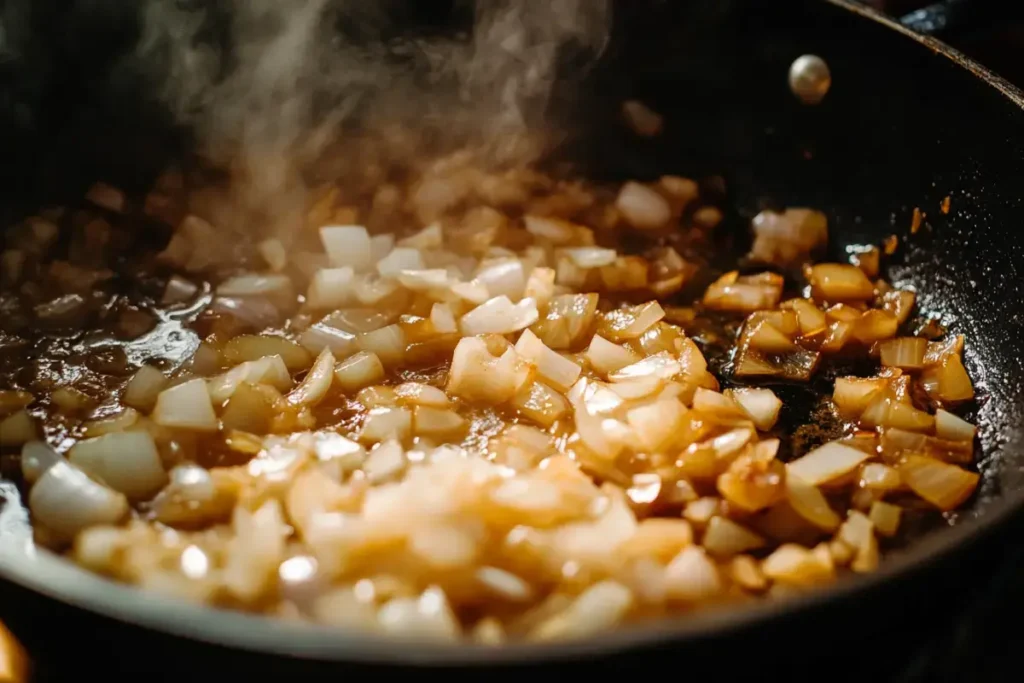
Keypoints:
(262, 80)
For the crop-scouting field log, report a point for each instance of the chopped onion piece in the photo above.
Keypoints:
(143, 388)
(186, 406)
(725, 538)
(17, 429)
(503, 277)
(656, 424)
(692, 576)
(591, 257)
(250, 347)
(388, 343)
(906, 353)
(954, 428)
(948, 383)
(255, 285)
(808, 502)
(320, 336)
(499, 316)
(853, 395)
(826, 463)
(442, 318)
(359, 371)
(559, 371)
(66, 501)
(540, 403)
(315, 385)
(629, 323)
(476, 375)
(605, 357)
(885, 517)
(858, 532)
(331, 288)
(765, 337)
(879, 477)
(748, 294)
(424, 280)
(661, 365)
(553, 229)
(347, 245)
(400, 258)
(839, 282)
(796, 565)
(430, 237)
(36, 458)
(416, 393)
(125, 461)
(436, 422)
(943, 485)
(642, 207)
(386, 423)
(762, 406)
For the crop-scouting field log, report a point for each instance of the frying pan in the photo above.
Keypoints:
(908, 122)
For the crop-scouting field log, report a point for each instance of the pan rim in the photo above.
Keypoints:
(50, 576)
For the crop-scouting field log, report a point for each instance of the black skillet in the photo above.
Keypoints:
(908, 121)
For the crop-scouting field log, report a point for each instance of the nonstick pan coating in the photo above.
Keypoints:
(907, 123)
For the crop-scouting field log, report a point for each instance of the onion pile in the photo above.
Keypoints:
(488, 427)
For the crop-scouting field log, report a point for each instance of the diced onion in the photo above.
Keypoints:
(269, 370)
(315, 385)
(692, 576)
(553, 229)
(143, 388)
(430, 237)
(725, 538)
(436, 422)
(656, 424)
(540, 403)
(388, 343)
(125, 461)
(827, 462)
(249, 347)
(503, 277)
(605, 357)
(839, 282)
(661, 365)
(885, 517)
(255, 285)
(591, 257)
(954, 428)
(424, 280)
(386, 423)
(17, 429)
(65, 501)
(499, 316)
(629, 323)
(186, 406)
(762, 406)
(320, 336)
(906, 353)
(442, 318)
(331, 288)
(852, 395)
(796, 565)
(642, 207)
(476, 375)
(36, 458)
(943, 485)
(559, 371)
(948, 382)
(808, 502)
(359, 371)
(400, 258)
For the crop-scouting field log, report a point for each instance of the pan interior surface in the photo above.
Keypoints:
(903, 126)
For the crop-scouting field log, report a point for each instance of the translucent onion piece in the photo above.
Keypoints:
(499, 316)
(430, 237)
(540, 403)
(656, 424)
(320, 336)
(382, 424)
(808, 502)
(125, 461)
(560, 372)
(359, 371)
(827, 462)
(852, 395)
(65, 501)
(796, 565)
(944, 486)
(255, 285)
(748, 294)
(270, 370)
(885, 517)
(591, 257)
(186, 406)
(503, 277)
(36, 458)
(331, 288)
(400, 258)
(436, 422)
(250, 347)
(762, 406)
(599, 607)
(143, 388)
(315, 385)
(476, 375)
(629, 323)
(642, 207)
(948, 382)
(424, 280)
(442, 318)
(553, 229)
(906, 353)
(839, 282)
(725, 538)
(387, 343)
(692, 576)
(954, 428)
(605, 357)
(384, 462)
(661, 365)
(415, 393)
(17, 429)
